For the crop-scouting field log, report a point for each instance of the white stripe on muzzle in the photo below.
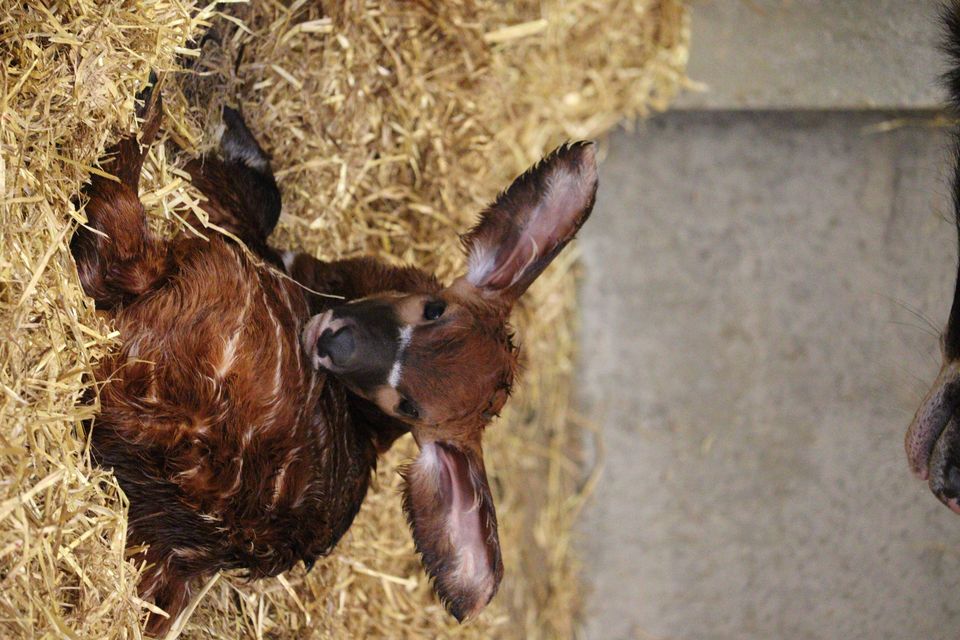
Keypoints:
(405, 335)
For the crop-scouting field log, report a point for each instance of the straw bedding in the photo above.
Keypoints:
(391, 124)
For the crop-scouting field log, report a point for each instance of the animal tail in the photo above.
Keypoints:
(950, 16)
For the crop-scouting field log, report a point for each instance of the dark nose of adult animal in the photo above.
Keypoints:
(951, 479)
(945, 484)
(945, 466)
(338, 345)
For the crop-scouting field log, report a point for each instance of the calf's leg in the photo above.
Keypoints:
(117, 257)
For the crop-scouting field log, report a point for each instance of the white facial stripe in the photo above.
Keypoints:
(394, 378)
(406, 334)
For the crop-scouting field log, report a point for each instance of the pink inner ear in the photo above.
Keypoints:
(454, 525)
(563, 199)
(511, 265)
(463, 520)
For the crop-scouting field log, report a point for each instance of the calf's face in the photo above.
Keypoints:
(443, 362)
(434, 360)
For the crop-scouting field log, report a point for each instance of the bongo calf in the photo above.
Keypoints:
(243, 416)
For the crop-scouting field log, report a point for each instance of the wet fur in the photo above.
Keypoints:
(234, 451)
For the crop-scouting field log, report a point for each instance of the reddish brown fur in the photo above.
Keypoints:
(476, 362)
(458, 370)
(234, 451)
(249, 460)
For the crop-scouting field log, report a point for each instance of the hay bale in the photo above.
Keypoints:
(391, 125)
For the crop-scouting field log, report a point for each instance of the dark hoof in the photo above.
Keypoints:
(145, 95)
(239, 145)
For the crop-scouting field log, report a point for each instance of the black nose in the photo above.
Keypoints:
(946, 481)
(339, 346)
(952, 480)
(945, 465)
(945, 484)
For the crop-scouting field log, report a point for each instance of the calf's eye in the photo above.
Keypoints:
(408, 409)
(434, 309)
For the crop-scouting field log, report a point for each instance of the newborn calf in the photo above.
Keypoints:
(243, 415)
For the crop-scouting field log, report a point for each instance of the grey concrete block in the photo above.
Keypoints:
(814, 54)
(751, 356)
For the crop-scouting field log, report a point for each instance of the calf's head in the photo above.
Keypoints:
(442, 361)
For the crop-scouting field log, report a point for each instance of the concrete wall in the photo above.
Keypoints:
(765, 277)
(814, 54)
(751, 354)
(755, 338)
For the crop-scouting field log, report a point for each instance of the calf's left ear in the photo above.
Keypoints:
(450, 510)
(531, 222)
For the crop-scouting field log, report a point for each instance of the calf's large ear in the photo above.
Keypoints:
(450, 510)
(531, 222)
